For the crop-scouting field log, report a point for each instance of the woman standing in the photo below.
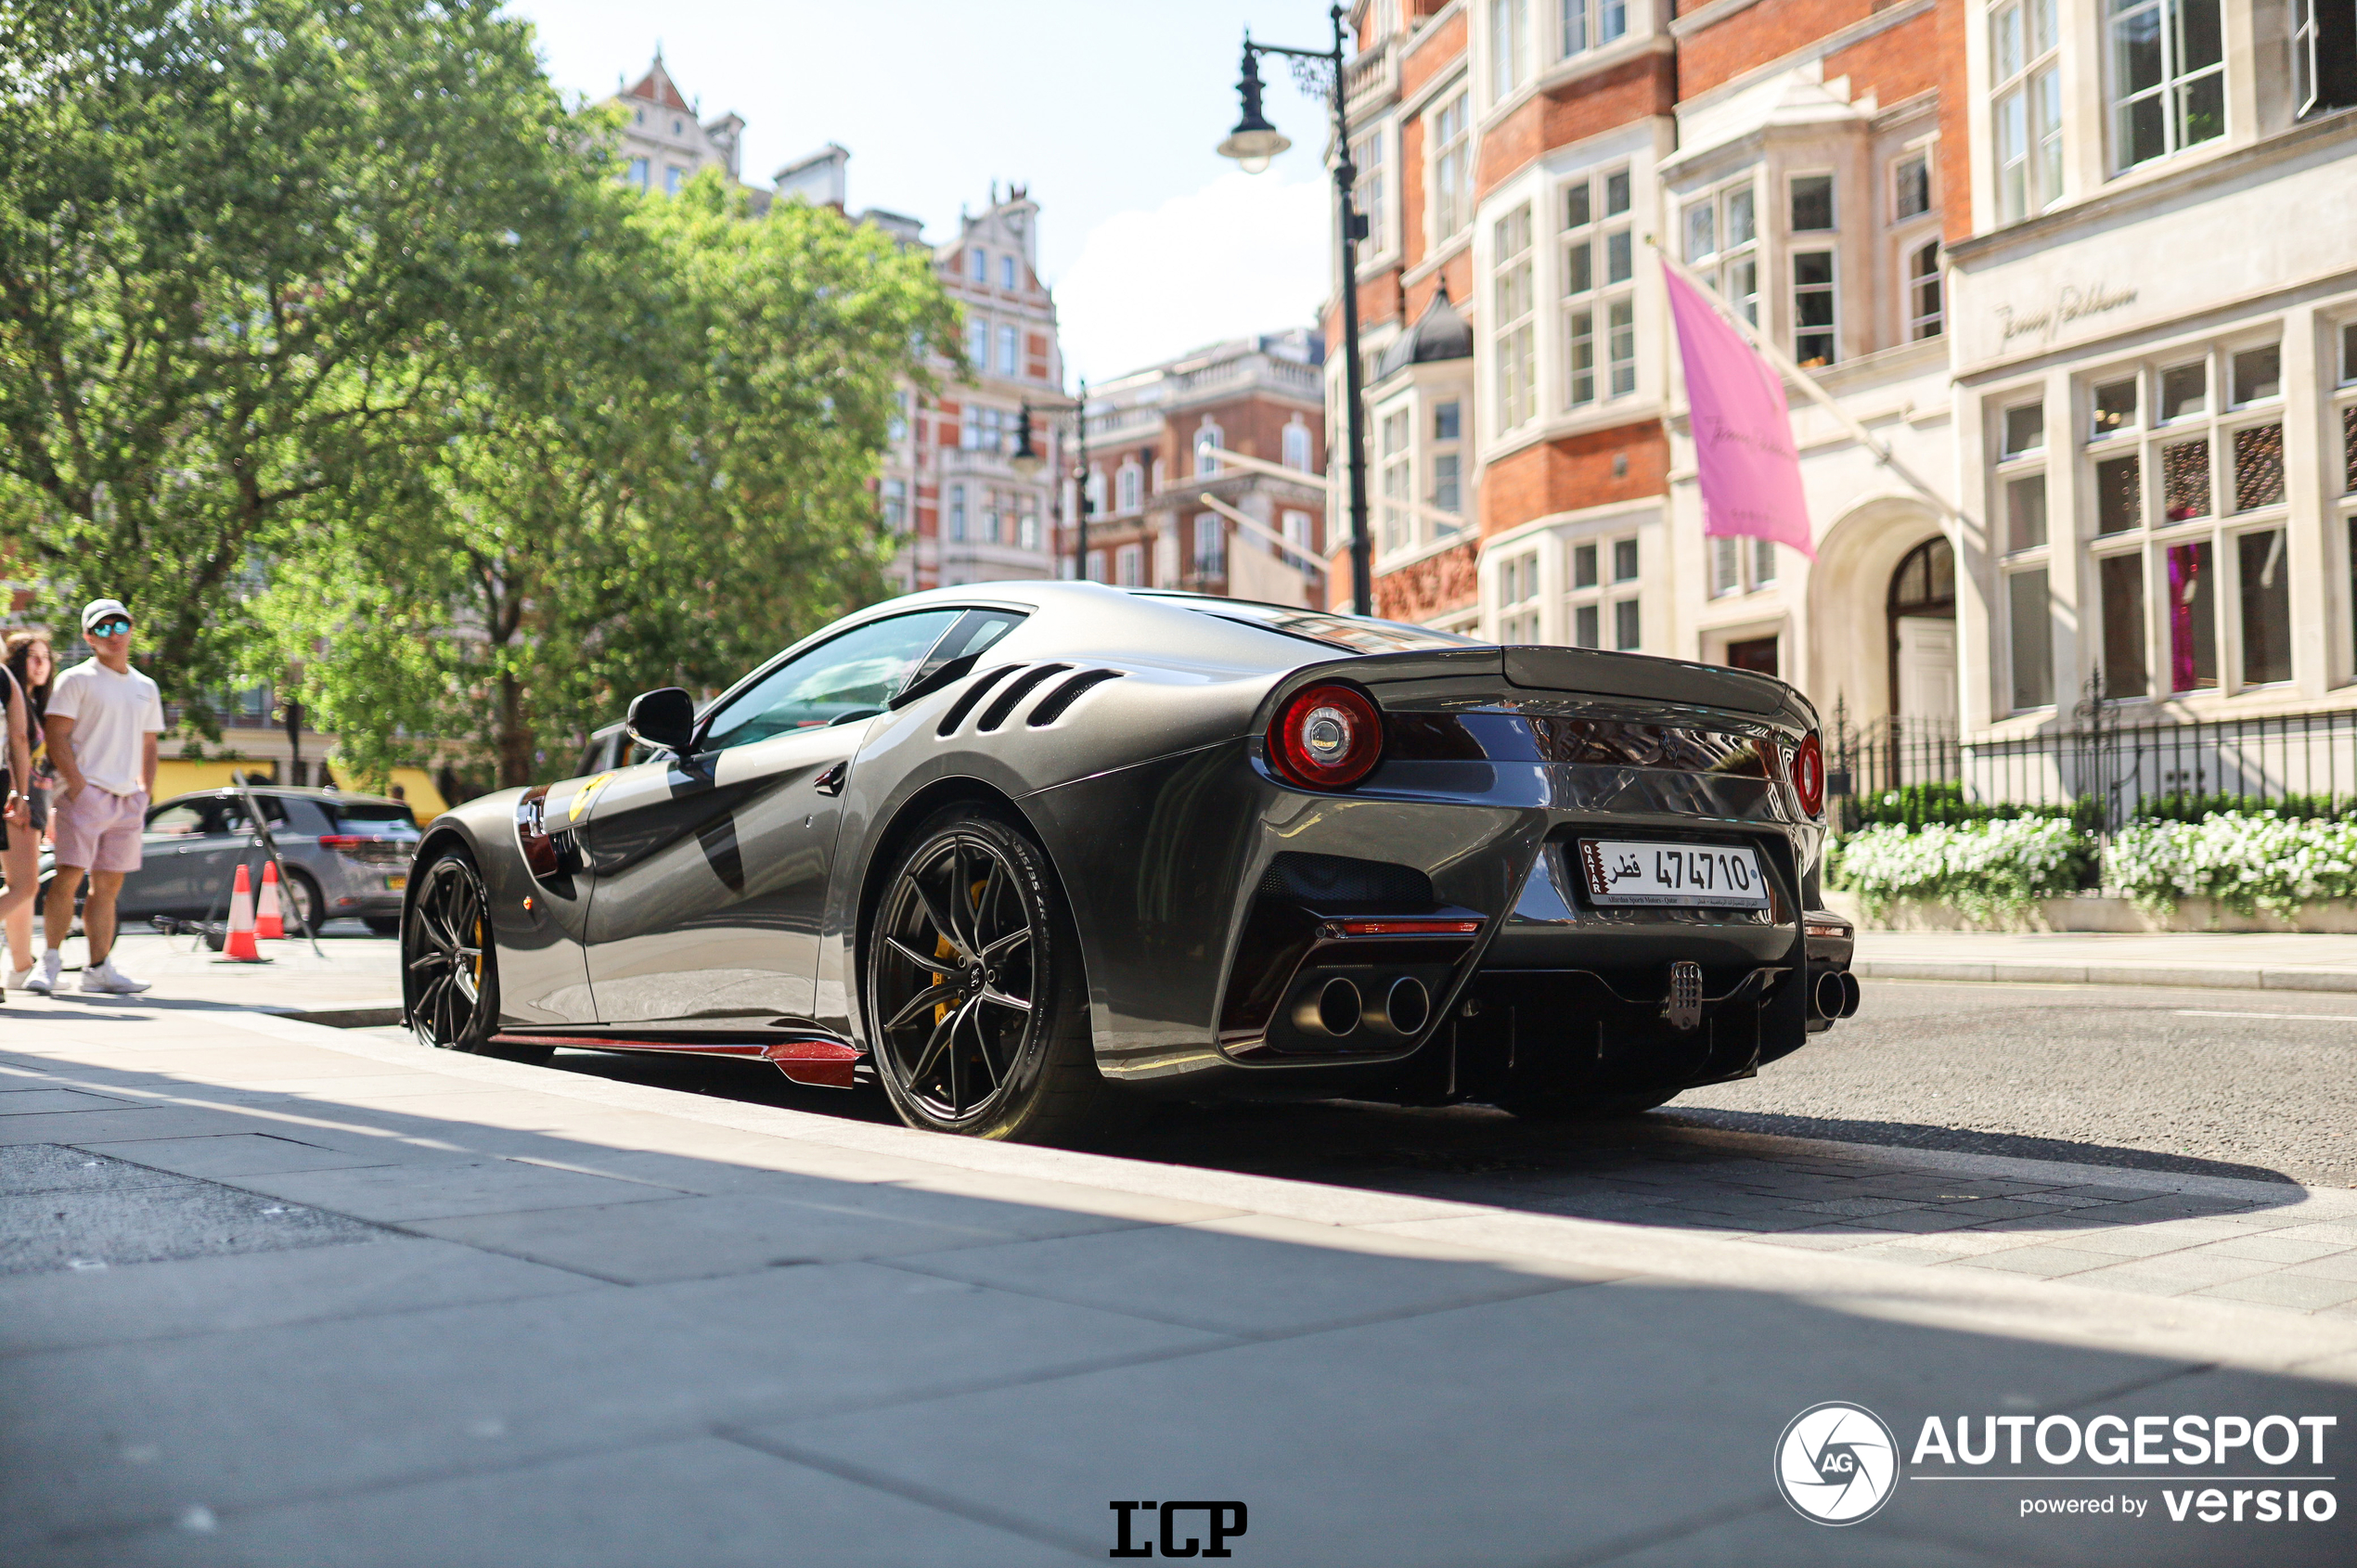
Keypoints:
(26, 666)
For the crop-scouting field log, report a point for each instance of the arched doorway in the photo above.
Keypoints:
(1922, 613)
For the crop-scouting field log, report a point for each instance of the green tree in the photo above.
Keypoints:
(664, 483)
(246, 249)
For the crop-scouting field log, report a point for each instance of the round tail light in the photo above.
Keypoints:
(1326, 737)
(1808, 776)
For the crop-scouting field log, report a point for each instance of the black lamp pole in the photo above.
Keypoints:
(1253, 142)
(1027, 462)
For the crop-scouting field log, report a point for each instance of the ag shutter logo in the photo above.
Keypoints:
(1837, 1463)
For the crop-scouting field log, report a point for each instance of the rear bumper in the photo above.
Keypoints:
(1207, 961)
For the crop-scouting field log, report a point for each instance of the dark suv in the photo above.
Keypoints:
(344, 855)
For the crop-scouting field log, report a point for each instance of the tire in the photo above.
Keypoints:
(450, 965)
(977, 1006)
(1565, 1106)
(302, 897)
(383, 925)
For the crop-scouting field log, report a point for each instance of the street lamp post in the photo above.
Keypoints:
(1027, 462)
(1251, 143)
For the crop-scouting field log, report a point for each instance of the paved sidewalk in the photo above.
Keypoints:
(351, 980)
(2227, 961)
(273, 1294)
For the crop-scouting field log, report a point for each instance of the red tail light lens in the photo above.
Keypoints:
(1808, 776)
(1326, 737)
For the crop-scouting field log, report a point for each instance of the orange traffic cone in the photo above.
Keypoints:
(241, 942)
(268, 923)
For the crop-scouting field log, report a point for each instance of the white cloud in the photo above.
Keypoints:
(1246, 254)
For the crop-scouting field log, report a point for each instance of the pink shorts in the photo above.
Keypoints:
(100, 831)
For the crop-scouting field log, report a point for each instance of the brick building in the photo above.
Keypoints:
(1154, 439)
(2019, 240)
(949, 482)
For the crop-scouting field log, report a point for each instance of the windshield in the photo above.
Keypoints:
(1362, 634)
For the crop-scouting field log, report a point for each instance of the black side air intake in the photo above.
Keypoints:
(1013, 692)
(971, 694)
(1051, 707)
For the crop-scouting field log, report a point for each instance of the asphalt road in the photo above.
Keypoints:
(2255, 1085)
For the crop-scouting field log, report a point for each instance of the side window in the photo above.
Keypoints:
(182, 818)
(974, 632)
(850, 676)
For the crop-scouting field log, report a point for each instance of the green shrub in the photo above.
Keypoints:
(2244, 862)
(1986, 868)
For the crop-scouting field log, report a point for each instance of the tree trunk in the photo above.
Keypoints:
(515, 734)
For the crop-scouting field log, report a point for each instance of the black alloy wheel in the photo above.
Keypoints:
(449, 964)
(976, 1012)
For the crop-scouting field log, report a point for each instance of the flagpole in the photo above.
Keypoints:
(1791, 371)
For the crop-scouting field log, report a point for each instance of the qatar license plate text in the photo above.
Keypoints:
(1716, 876)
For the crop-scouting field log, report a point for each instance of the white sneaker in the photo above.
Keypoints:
(18, 977)
(45, 974)
(104, 976)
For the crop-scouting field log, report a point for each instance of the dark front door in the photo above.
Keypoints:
(711, 871)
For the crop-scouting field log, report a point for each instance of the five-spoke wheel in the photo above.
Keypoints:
(973, 992)
(450, 976)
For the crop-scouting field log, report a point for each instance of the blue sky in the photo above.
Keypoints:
(1109, 110)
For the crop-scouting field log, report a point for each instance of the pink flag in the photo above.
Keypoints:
(1743, 431)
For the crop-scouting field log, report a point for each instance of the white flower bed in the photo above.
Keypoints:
(1984, 870)
(2246, 863)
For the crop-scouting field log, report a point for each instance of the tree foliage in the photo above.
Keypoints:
(666, 483)
(244, 244)
(330, 342)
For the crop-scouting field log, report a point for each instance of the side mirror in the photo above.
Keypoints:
(664, 718)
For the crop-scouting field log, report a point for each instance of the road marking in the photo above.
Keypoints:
(2324, 1017)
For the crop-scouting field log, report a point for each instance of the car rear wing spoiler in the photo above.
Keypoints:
(1629, 677)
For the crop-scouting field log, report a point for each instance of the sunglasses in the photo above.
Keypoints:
(113, 628)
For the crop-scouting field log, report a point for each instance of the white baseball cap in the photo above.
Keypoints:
(99, 610)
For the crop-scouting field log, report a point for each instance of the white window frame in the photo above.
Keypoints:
(1131, 482)
(1926, 294)
(1451, 186)
(1009, 349)
(1294, 445)
(1830, 291)
(1513, 304)
(1709, 224)
(2171, 92)
(1446, 454)
(1583, 25)
(1509, 38)
(1515, 593)
(1207, 441)
(2025, 101)
(1598, 322)
(1007, 270)
(1129, 566)
(1395, 461)
(980, 264)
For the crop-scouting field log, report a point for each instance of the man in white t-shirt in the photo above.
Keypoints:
(103, 719)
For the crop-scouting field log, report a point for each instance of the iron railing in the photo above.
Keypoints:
(2109, 769)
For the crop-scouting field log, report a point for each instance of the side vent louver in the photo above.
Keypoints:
(1051, 707)
(1013, 692)
(971, 694)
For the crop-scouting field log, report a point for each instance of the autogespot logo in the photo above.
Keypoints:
(1837, 1463)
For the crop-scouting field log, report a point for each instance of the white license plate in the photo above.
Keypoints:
(1717, 876)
